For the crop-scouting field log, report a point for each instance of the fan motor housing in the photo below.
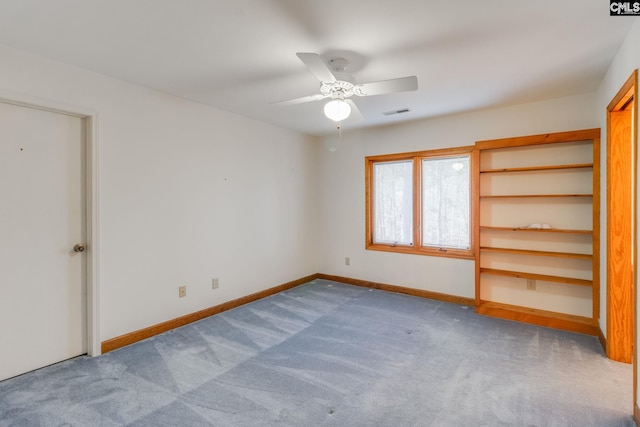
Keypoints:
(337, 89)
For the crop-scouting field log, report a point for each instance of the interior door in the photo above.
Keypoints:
(621, 222)
(42, 219)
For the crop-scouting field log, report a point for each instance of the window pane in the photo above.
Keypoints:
(445, 202)
(392, 202)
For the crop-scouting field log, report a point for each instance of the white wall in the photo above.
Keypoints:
(627, 59)
(187, 193)
(342, 186)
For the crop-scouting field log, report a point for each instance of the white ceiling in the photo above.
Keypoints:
(239, 55)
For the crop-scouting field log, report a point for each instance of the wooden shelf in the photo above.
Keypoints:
(543, 277)
(535, 230)
(539, 168)
(537, 253)
(530, 196)
(539, 179)
(545, 138)
(551, 319)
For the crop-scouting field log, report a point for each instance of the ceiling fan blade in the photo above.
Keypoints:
(355, 111)
(301, 100)
(317, 66)
(403, 84)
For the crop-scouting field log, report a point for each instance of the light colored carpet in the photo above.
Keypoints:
(329, 354)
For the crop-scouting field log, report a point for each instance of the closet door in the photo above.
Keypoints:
(42, 220)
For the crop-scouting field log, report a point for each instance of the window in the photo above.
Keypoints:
(393, 205)
(420, 202)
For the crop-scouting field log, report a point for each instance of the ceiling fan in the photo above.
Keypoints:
(342, 88)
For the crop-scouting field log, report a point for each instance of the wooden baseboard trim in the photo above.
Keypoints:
(400, 290)
(636, 414)
(533, 316)
(141, 334)
(537, 317)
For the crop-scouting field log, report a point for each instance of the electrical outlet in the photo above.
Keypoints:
(182, 291)
(347, 260)
(531, 285)
(215, 283)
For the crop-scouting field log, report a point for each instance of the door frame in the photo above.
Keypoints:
(91, 198)
(626, 94)
(620, 300)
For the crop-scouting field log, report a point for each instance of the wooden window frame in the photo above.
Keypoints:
(416, 157)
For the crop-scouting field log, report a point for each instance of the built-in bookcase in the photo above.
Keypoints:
(537, 229)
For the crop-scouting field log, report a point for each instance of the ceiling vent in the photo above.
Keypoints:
(394, 112)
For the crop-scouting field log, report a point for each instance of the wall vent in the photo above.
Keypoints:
(394, 112)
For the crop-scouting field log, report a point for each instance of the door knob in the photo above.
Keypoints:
(78, 248)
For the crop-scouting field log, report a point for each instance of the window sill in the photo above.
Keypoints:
(447, 253)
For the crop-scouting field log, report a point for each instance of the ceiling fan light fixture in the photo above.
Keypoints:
(337, 110)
